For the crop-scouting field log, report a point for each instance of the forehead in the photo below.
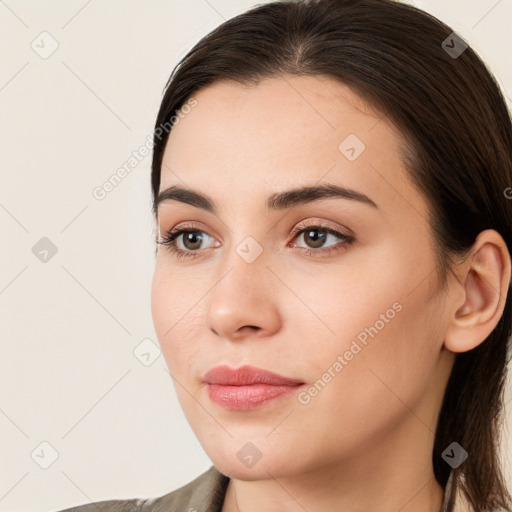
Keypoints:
(275, 113)
(285, 132)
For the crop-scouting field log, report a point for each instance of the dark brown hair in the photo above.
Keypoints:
(458, 139)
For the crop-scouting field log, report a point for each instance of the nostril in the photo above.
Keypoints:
(254, 327)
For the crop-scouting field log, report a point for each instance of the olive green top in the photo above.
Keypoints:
(204, 494)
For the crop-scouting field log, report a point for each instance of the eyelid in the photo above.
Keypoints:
(187, 226)
(319, 223)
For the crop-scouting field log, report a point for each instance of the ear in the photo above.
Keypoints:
(484, 281)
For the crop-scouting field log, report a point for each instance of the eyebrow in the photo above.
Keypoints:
(277, 201)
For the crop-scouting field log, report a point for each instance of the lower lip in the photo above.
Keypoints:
(243, 398)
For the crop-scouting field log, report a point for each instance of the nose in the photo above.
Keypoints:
(244, 301)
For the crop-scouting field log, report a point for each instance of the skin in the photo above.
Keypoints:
(365, 441)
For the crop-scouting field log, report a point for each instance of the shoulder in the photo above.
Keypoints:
(203, 494)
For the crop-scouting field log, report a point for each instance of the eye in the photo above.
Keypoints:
(191, 238)
(316, 236)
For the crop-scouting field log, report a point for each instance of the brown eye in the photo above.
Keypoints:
(312, 238)
(191, 240)
(316, 238)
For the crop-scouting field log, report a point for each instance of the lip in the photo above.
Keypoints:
(247, 387)
(245, 376)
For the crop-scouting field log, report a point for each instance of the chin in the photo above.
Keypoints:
(236, 463)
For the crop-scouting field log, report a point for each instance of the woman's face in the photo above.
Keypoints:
(356, 316)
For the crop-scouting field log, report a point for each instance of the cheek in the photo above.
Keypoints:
(161, 303)
(381, 292)
(174, 325)
(175, 317)
(380, 323)
(358, 390)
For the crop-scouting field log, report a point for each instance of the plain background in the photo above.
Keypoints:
(71, 326)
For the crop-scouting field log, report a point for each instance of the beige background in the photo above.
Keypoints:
(69, 326)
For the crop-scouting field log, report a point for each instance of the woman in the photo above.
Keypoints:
(331, 185)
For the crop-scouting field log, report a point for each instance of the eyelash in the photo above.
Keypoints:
(172, 235)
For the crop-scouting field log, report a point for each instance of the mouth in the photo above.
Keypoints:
(247, 387)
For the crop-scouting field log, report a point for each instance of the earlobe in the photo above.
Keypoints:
(485, 279)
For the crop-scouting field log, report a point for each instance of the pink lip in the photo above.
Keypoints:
(246, 387)
(246, 375)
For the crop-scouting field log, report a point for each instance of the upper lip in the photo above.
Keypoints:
(246, 375)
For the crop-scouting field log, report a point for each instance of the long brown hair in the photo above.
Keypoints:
(458, 133)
